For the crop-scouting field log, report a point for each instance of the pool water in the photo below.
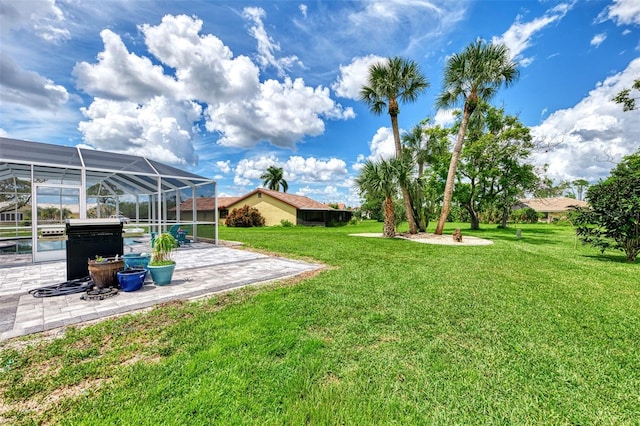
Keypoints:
(24, 246)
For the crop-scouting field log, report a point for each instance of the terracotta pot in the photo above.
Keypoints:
(104, 274)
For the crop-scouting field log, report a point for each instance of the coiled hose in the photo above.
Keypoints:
(69, 287)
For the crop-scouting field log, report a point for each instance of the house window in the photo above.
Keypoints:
(10, 217)
(259, 194)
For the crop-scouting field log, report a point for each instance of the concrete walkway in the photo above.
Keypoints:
(201, 269)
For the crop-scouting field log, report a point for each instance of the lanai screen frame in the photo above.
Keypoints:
(133, 175)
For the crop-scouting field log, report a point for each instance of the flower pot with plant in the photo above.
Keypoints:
(103, 271)
(162, 265)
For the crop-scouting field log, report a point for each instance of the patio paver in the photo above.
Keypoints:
(201, 269)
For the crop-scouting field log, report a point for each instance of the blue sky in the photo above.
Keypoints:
(227, 89)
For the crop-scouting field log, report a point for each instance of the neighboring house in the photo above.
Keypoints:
(204, 209)
(10, 215)
(551, 208)
(274, 206)
(277, 206)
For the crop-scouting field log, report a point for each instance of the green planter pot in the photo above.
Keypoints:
(161, 275)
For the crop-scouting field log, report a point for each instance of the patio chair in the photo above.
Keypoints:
(180, 234)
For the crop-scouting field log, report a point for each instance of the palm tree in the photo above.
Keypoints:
(471, 78)
(273, 179)
(378, 179)
(580, 185)
(395, 80)
(424, 146)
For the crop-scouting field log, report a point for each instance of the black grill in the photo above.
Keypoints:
(88, 238)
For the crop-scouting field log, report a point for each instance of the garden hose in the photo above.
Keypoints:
(69, 287)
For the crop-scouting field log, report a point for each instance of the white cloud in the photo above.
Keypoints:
(160, 129)
(240, 108)
(518, 37)
(623, 12)
(224, 166)
(598, 39)
(414, 21)
(266, 45)
(249, 170)
(445, 117)
(42, 17)
(332, 194)
(121, 75)
(313, 170)
(328, 192)
(282, 114)
(296, 169)
(585, 141)
(204, 66)
(303, 10)
(29, 88)
(382, 145)
(353, 76)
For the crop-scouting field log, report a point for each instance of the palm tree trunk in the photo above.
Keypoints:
(393, 114)
(413, 229)
(405, 192)
(453, 166)
(389, 229)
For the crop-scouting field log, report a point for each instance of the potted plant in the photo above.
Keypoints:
(103, 270)
(131, 279)
(162, 265)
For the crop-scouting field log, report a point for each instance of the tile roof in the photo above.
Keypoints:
(559, 204)
(206, 203)
(298, 201)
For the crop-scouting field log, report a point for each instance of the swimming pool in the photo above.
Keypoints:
(23, 246)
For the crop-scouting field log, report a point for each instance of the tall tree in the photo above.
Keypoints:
(580, 185)
(471, 77)
(273, 179)
(378, 179)
(493, 165)
(547, 187)
(389, 82)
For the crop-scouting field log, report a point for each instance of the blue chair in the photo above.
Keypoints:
(180, 234)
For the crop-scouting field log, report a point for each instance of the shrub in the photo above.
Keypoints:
(526, 215)
(612, 220)
(286, 223)
(245, 217)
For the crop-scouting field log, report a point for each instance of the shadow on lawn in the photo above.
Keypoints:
(529, 235)
(619, 258)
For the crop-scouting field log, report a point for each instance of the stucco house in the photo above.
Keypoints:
(551, 208)
(274, 206)
(277, 206)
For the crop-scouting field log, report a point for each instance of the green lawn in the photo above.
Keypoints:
(536, 330)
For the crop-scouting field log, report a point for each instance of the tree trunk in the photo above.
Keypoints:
(405, 192)
(453, 165)
(413, 229)
(506, 212)
(475, 221)
(393, 112)
(389, 229)
(422, 215)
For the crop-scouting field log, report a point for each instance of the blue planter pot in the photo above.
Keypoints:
(131, 279)
(136, 260)
(162, 275)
